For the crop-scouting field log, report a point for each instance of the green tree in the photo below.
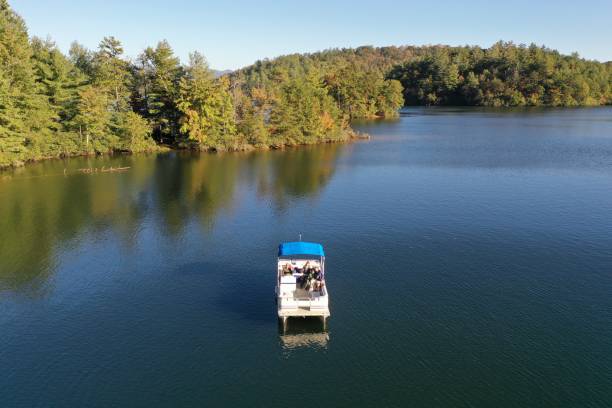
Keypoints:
(304, 113)
(94, 121)
(157, 90)
(81, 58)
(390, 98)
(59, 78)
(206, 106)
(133, 131)
(18, 90)
(112, 73)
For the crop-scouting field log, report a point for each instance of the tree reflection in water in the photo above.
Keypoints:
(49, 207)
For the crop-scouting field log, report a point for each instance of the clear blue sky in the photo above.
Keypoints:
(236, 33)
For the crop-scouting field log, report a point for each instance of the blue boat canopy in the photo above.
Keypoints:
(300, 248)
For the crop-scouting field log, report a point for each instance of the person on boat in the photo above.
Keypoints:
(317, 278)
(318, 274)
(312, 278)
(304, 279)
(288, 269)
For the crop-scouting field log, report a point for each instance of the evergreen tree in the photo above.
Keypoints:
(304, 113)
(18, 99)
(60, 81)
(82, 58)
(112, 73)
(159, 77)
(133, 132)
(94, 121)
(206, 106)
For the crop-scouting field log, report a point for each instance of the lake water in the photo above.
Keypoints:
(469, 262)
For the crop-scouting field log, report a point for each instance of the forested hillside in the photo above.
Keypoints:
(503, 75)
(100, 101)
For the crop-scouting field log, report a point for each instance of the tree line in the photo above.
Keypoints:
(100, 101)
(503, 75)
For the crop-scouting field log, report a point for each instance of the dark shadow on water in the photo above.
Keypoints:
(250, 298)
(303, 325)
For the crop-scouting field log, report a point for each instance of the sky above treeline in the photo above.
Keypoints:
(236, 33)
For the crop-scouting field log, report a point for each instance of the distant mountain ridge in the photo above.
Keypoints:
(220, 73)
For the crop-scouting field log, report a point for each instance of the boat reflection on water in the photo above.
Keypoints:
(304, 340)
(306, 333)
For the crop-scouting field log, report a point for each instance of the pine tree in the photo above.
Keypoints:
(60, 81)
(17, 88)
(206, 106)
(82, 58)
(157, 89)
(112, 73)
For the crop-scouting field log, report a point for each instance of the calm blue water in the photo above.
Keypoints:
(469, 262)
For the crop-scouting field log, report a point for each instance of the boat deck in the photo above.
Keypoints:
(305, 294)
(304, 309)
(303, 312)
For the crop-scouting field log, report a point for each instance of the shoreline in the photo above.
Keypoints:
(352, 136)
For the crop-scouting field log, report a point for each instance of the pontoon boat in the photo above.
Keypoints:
(300, 288)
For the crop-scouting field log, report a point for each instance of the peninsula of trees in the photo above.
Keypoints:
(99, 101)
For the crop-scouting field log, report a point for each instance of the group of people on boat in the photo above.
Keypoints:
(309, 277)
